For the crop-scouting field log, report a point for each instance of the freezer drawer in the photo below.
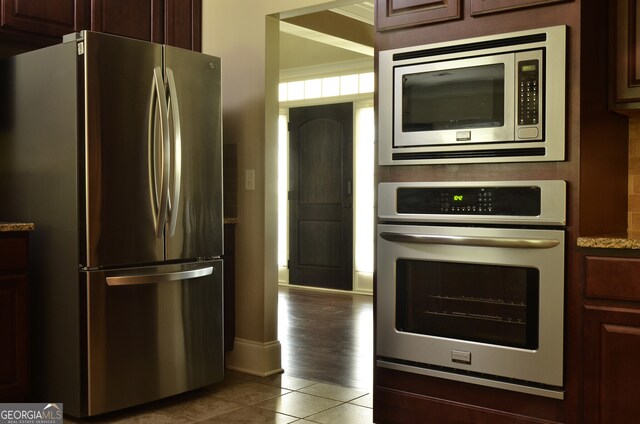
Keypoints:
(152, 332)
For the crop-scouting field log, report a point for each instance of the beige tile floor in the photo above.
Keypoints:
(244, 399)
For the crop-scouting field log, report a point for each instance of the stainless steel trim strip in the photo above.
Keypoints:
(516, 243)
(559, 394)
(129, 280)
(166, 152)
(174, 200)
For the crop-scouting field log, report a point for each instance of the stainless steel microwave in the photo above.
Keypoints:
(498, 98)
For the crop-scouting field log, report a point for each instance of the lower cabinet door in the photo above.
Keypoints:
(612, 368)
(13, 338)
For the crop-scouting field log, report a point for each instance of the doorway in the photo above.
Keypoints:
(321, 196)
(315, 73)
(326, 56)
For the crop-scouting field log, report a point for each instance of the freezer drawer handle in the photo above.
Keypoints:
(514, 243)
(130, 280)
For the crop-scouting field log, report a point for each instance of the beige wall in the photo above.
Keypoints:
(240, 33)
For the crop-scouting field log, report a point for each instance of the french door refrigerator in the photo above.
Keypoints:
(112, 147)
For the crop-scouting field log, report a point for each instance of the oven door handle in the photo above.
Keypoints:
(513, 243)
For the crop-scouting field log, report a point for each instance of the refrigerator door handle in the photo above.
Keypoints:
(159, 200)
(174, 198)
(152, 278)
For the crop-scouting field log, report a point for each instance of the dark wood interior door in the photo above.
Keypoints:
(321, 196)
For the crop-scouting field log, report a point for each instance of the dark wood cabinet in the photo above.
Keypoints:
(393, 14)
(33, 24)
(611, 340)
(481, 7)
(403, 13)
(183, 24)
(172, 22)
(135, 19)
(612, 369)
(40, 23)
(14, 354)
(625, 56)
(595, 165)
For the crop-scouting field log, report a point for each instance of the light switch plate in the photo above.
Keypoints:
(250, 179)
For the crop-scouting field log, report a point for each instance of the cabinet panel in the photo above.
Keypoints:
(140, 19)
(402, 13)
(33, 24)
(52, 18)
(480, 7)
(613, 278)
(13, 333)
(13, 254)
(14, 354)
(612, 346)
(626, 39)
(183, 21)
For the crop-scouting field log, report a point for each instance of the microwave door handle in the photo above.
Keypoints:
(513, 243)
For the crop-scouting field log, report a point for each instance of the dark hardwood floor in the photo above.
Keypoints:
(326, 336)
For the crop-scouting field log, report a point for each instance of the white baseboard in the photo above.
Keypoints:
(255, 358)
(362, 282)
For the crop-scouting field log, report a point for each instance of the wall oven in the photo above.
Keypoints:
(470, 282)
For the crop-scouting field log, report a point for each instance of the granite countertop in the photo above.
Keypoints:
(16, 226)
(628, 240)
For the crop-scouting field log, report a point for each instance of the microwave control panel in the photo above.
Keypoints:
(528, 95)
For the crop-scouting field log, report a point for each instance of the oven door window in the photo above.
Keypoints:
(472, 302)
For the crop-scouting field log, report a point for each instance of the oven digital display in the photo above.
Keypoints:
(513, 201)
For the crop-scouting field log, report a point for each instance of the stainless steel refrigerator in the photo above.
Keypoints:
(112, 147)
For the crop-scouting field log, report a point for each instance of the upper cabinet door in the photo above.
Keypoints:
(183, 24)
(51, 18)
(140, 19)
(403, 13)
(36, 23)
(625, 37)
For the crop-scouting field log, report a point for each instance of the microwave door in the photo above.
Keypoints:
(455, 102)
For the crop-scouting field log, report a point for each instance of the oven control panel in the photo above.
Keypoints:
(510, 201)
(523, 202)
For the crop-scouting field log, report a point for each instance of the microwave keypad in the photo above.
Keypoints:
(528, 99)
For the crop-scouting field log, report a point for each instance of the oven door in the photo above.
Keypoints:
(484, 303)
